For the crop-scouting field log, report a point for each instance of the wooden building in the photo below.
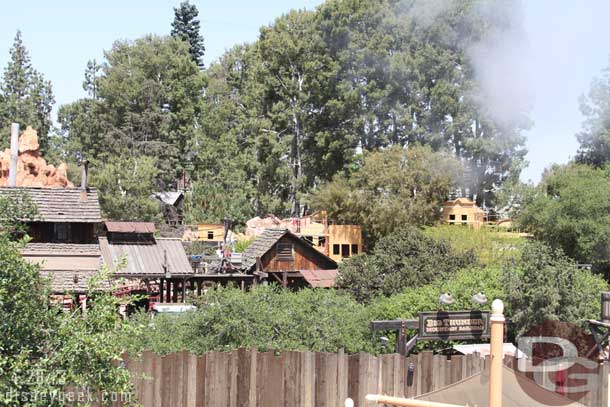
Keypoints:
(335, 241)
(286, 258)
(463, 211)
(63, 235)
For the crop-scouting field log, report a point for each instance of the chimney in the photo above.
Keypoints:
(12, 172)
(83, 182)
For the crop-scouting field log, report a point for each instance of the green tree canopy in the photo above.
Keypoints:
(25, 97)
(391, 188)
(595, 136)
(186, 27)
(126, 187)
(402, 259)
(545, 285)
(570, 210)
(145, 103)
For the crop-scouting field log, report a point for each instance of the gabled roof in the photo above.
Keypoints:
(265, 242)
(147, 260)
(129, 227)
(62, 204)
(459, 201)
(169, 198)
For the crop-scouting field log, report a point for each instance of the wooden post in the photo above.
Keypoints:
(168, 293)
(161, 289)
(497, 353)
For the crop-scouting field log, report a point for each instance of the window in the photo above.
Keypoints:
(464, 219)
(210, 234)
(336, 249)
(321, 240)
(284, 252)
(61, 232)
(344, 250)
(452, 217)
(354, 249)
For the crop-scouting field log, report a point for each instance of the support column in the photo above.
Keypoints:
(161, 281)
(497, 353)
(168, 291)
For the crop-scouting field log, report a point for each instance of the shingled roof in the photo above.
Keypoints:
(261, 245)
(62, 204)
(68, 266)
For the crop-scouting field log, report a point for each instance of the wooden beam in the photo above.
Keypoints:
(394, 325)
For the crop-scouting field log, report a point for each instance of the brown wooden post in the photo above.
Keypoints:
(401, 341)
(285, 279)
(161, 280)
(168, 289)
(199, 284)
(175, 293)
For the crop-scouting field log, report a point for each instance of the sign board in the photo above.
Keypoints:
(453, 325)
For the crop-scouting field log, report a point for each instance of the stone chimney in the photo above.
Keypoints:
(12, 172)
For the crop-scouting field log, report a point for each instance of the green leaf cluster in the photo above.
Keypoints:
(266, 317)
(403, 259)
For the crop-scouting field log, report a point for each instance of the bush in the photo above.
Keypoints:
(266, 317)
(462, 285)
(403, 259)
(546, 285)
(491, 247)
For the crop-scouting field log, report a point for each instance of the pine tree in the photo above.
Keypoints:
(186, 26)
(26, 97)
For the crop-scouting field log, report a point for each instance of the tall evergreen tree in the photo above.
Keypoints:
(186, 26)
(26, 97)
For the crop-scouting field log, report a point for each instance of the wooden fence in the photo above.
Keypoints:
(247, 378)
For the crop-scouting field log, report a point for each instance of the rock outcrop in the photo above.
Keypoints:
(32, 169)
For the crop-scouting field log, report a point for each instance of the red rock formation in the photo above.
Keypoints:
(32, 169)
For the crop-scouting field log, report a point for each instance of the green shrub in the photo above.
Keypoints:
(403, 259)
(491, 246)
(266, 317)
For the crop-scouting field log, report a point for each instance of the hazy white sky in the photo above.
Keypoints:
(569, 42)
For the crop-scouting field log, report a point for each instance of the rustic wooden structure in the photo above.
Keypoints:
(335, 241)
(289, 260)
(424, 331)
(247, 378)
(463, 211)
(63, 235)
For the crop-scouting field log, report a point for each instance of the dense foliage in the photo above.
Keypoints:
(264, 318)
(271, 121)
(186, 27)
(594, 138)
(44, 349)
(395, 187)
(126, 188)
(403, 259)
(543, 284)
(25, 96)
(491, 246)
(570, 210)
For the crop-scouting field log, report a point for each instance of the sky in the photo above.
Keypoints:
(568, 42)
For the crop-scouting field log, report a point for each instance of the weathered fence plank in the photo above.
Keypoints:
(247, 378)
